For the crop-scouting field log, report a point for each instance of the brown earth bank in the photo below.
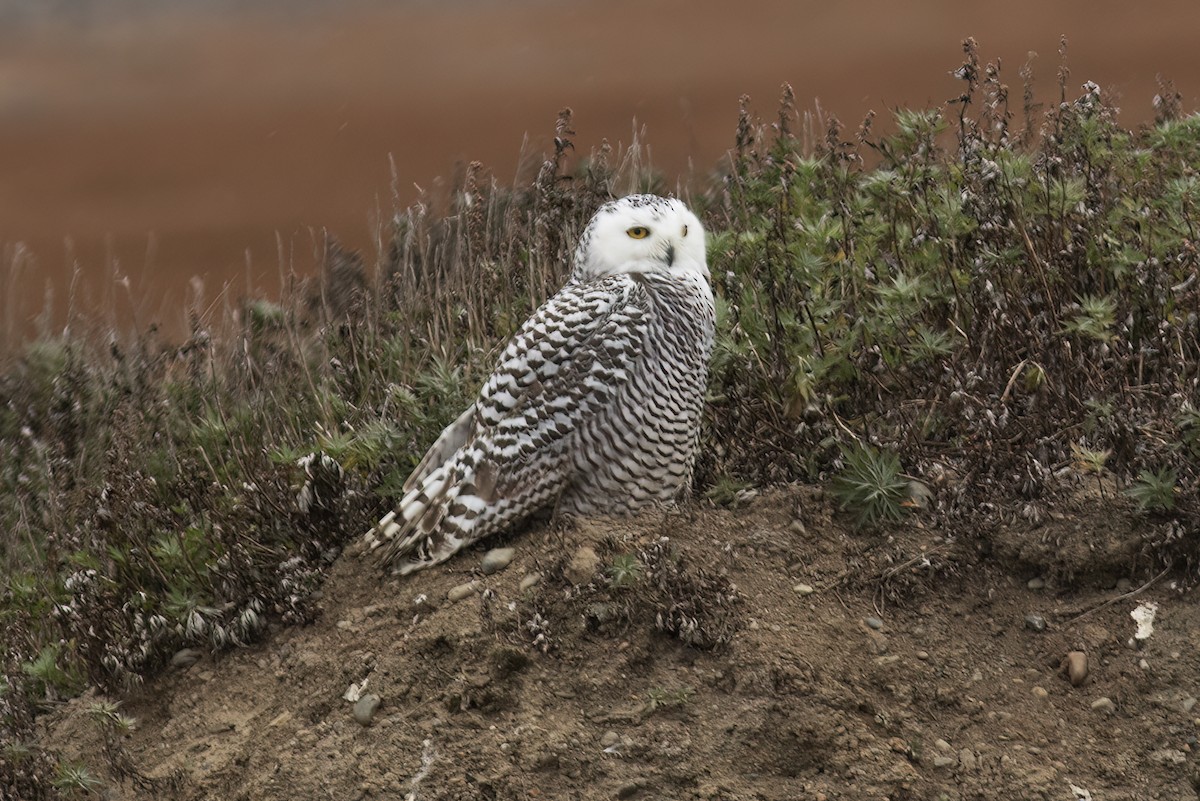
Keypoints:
(143, 145)
(825, 663)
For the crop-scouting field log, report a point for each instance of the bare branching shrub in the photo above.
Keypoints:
(689, 602)
(115, 727)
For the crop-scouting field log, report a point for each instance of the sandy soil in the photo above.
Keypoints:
(907, 671)
(161, 145)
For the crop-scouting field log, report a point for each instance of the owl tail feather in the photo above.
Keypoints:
(430, 524)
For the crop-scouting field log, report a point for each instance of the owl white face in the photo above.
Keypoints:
(642, 234)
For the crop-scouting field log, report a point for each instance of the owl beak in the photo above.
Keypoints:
(670, 255)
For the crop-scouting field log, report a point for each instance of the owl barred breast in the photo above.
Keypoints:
(594, 407)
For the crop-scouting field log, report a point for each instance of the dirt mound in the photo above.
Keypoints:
(826, 664)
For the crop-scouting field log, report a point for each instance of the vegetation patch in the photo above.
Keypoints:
(963, 317)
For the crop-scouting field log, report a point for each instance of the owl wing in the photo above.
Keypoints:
(566, 364)
(450, 440)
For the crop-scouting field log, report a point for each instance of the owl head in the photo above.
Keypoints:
(641, 234)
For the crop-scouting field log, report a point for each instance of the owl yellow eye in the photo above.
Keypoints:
(638, 232)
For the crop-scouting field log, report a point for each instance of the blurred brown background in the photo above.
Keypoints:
(159, 145)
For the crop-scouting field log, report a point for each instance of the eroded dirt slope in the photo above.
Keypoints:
(908, 672)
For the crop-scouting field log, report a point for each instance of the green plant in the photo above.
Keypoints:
(73, 780)
(726, 490)
(625, 570)
(1095, 319)
(870, 485)
(1154, 492)
(108, 716)
(664, 698)
(1090, 461)
(50, 679)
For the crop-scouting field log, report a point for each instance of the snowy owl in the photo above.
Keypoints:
(595, 404)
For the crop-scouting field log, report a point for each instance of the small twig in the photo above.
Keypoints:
(839, 598)
(1121, 597)
(1012, 380)
(924, 555)
(846, 428)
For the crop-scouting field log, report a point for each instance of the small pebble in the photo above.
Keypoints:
(942, 745)
(1036, 583)
(1040, 692)
(922, 655)
(1124, 585)
(1168, 756)
(1104, 704)
(966, 758)
(456, 594)
(1035, 622)
(1076, 666)
(496, 560)
(942, 761)
(609, 739)
(529, 581)
(365, 707)
(874, 623)
(803, 589)
(1188, 704)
